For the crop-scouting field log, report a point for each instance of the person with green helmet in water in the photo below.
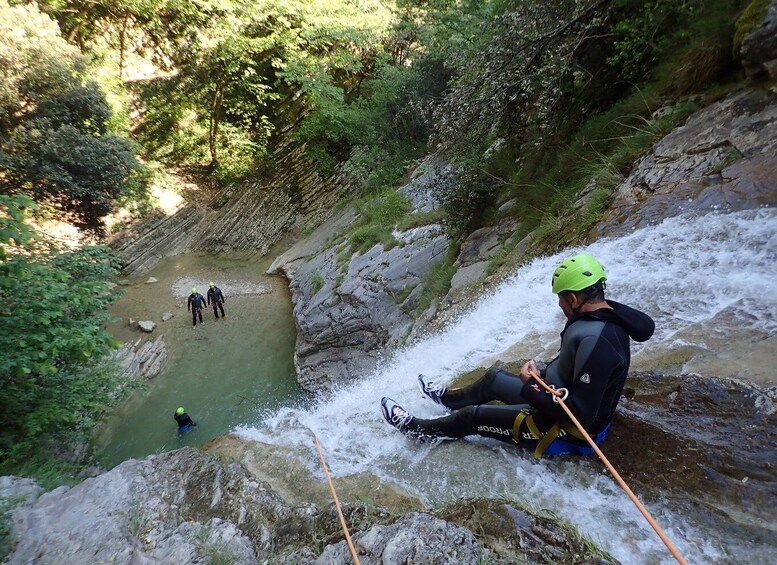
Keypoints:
(592, 365)
(183, 420)
(195, 304)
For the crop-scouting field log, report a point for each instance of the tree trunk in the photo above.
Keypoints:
(122, 45)
(213, 122)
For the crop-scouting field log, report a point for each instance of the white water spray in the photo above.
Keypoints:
(683, 272)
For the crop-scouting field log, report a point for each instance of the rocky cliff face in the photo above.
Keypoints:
(349, 307)
(352, 310)
(721, 159)
(759, 48)
(245, 218)
(190, 507)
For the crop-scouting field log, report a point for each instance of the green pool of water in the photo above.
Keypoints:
(224, 373)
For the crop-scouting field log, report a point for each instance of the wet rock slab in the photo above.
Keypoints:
(707, 442)
(722, 158)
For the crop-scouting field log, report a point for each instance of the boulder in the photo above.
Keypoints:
(178, 507)
(414, 538)
(147, 326)
(146, 360)
(347, 312)
(758, 50)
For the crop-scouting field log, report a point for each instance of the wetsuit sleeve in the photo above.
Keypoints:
(188, 303)
(594, 357)
(208, 295)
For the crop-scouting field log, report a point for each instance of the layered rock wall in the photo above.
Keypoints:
(348, 315)
(722, 158)
(246, 218)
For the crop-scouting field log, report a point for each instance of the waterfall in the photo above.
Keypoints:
(685, 272)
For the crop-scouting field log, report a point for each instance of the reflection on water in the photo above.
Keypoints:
(223, 373)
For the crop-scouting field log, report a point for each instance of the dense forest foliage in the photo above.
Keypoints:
(529, 100)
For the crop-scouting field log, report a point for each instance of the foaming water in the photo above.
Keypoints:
(683, 272)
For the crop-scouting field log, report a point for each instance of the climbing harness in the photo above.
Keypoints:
(337, 502)
(547, 444)
(558, 398)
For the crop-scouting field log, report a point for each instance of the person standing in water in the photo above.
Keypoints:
(216, 300)
(183, 420)
(195, 304)
(592, 365)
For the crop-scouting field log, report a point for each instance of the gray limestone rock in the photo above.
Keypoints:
(476, 252)
(759, 48)
(722, 158)
(347, 313)
(146, 360)
(17, 493)
(167, 316)
(147, 325)
(414, 538)
(420, 189)
(178, 507)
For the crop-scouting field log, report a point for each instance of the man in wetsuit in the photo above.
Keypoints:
(216, 299)
(592, 364)
(195, 303)
(183, 420)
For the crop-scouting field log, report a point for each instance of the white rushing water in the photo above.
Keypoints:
(684, 272)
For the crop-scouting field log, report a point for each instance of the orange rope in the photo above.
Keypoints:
(337, 502)
(612, 470)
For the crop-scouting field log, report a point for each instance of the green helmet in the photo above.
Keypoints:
(194, 291)
(577, 273)
(180, 411)
(211, 284)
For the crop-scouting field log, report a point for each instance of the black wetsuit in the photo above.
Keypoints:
(196, 303)
(216, 299)
(592, 365)
(183, 420)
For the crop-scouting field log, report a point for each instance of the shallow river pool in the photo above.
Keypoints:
(224, 373)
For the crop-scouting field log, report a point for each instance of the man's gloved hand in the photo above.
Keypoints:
(528, 368)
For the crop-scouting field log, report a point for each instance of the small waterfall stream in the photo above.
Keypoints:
(704, 279)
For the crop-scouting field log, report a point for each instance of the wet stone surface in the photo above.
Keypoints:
(706, 441)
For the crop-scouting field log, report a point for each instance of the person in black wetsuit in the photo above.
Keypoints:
(195, 303)
(592, 364)
(183, 420)
(216, 300)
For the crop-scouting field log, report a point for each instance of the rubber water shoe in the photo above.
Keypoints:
(395, 415)
(431, 390)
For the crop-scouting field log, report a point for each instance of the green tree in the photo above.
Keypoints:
(263, 67)
(54, 140)
(54, 307)
(159, 28)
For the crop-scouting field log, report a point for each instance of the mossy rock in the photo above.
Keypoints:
(751, 18)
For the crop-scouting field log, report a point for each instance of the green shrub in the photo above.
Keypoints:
(54, 382)
(379, 215)
(643, 34)
(368, 236)
(317, 280)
